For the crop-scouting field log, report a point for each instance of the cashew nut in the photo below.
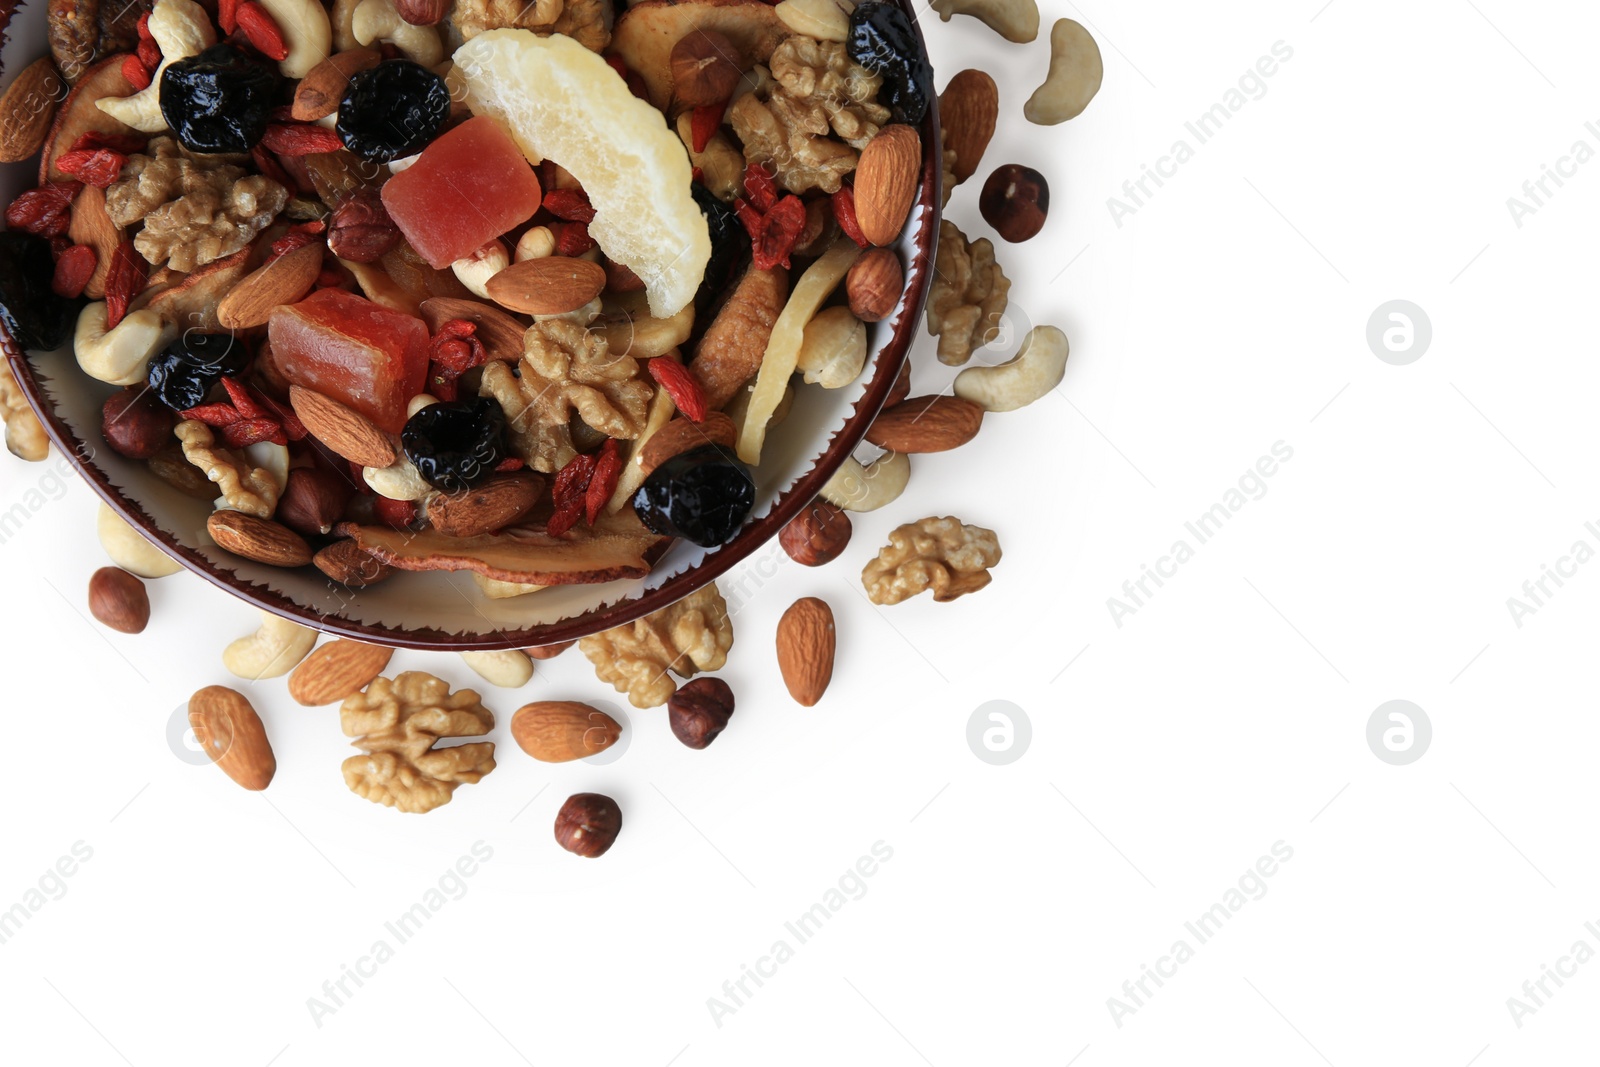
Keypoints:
(495, 589)
(1036, 369)
(537, 242)
(1074, 78)
(826, 20)
(420, 401)
(306, 31)
(854, 487)
(377, 20)
(130, 549)
(182, 29)
(508, 668)
(270, 651)
(1015, 20)
(400, 480)
(475, 270)
(343, 15)
(398, 165)
(583, 316)
(120, 356)
(833, 348)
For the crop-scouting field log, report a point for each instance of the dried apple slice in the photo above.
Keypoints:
(79, 115)
(646, 32)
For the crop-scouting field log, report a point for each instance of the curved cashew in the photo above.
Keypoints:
(826, 20)
(182, 29)
(420, 401)
(341, 19)
(400, 480)
(306, 31)
(270, 651)
(129, 549)
(854, 487)
(377, 20)
(833, 349)
(1075, 74)
(1036, 369)
(1015, 20)
(582, 316)
(120, 356)
(508, 668)
(475, 270)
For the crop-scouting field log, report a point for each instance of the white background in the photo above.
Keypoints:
(1167, 754)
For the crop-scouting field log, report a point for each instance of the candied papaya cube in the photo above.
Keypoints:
(467, 188)
(366, 356)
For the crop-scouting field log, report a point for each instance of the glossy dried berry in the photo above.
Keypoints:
(728, 245)
(392, 110)
(74, 268)
(45, 211)
(219, 100)
(883, 40)
(35, 317)
(455, 445)
(182, 374)
(703, 495)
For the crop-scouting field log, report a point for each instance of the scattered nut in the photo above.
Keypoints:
(508, 668)
(817, 535)
(307, 31)
(475, 270)
(556, 731)
(944, 555)
(398, 481)
(130, 549)
(700, 710)
(1015, 20)
(1015, 201)
(122, 354)
(806, 642)
(968, 110)
(588, 824)
(135, 424)
(377, 20)
(690, 636)
(536, 242)
(926, 424)
(967, 297)
(271, 651)
(119, 600)
(313, 500)
(1076, 71)
(345, 431)
(336, 670)
(261, 540)
(874, 284)
(397, 724)
(361, 230)
(854, 487)
(706, 68)
(1037, 368)
(230, 732)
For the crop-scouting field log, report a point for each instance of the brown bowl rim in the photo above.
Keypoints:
(751, 537)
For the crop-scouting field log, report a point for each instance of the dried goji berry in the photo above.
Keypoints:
(228, 15)
(844, 212)
(570, 493)
(136, 73)
(45, 211)
(126, 143)
(215, 415)
(759, 187)
(398, 514)
(704, 122)
(607, 469)
(456, 346)
(98, 167)
(73, 270)
(149, 55)
(144, 27)
(510, 463)
(293, 428)
(635, 82)
(243, 401)
(572, 238)
(125, 279)
(261, 30)
(247, 432)
(569, 204)
(288, 243)
(681, 386)
(780, 229)
(297, 140)
(269, 166)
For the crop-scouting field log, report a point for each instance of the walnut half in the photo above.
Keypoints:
(944, 555)
(690, 636)
(968, 295)
(396, 724)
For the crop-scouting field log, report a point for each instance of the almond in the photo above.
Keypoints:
(283, 280)
(968, 108)
(554, 285)
(886, 182)
(680, 436)
(500, 333)
(344, 430)
(494, 505)
(345, 563)
(262, 540)
(926, 424)
(336, 670)
(28, 109)
(805, 649)
(92, 226)
(230, 733)
(557, 731)
(320, 91)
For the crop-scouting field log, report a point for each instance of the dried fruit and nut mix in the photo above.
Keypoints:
(328, 247)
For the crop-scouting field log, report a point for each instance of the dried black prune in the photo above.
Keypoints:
(33, 315)
(729, 241)
(182, 374)
(703, 495)
(392, 110)
(219, 100)
(455, 445)
(883, 40)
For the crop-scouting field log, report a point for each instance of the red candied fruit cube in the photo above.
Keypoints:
(364, 355)
(468, 187)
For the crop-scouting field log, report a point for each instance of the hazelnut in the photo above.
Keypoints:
(347, 564)
(817, 535)
(136, 424)
(118, 600)
(700, 710)
(706, 68)
(874, 284)
(313, 500)
(549, 651)
(588, 824)
(1015, 201)
(423, 12)
(361, 230)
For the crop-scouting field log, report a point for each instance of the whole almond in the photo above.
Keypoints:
(681, 435)
(886, 182)
(118, 599)
(554, 285)
(806, 642)
(494, 505)
(557, 731)
(344, 430)
(230, 733)
(320, 91)
(28, 108)
(926, 424)
(262, 540)
(283, 280)
(874, 284)
(91, 225)
(335, 670)
(500, 333)
(968, 108)
(346, 563)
